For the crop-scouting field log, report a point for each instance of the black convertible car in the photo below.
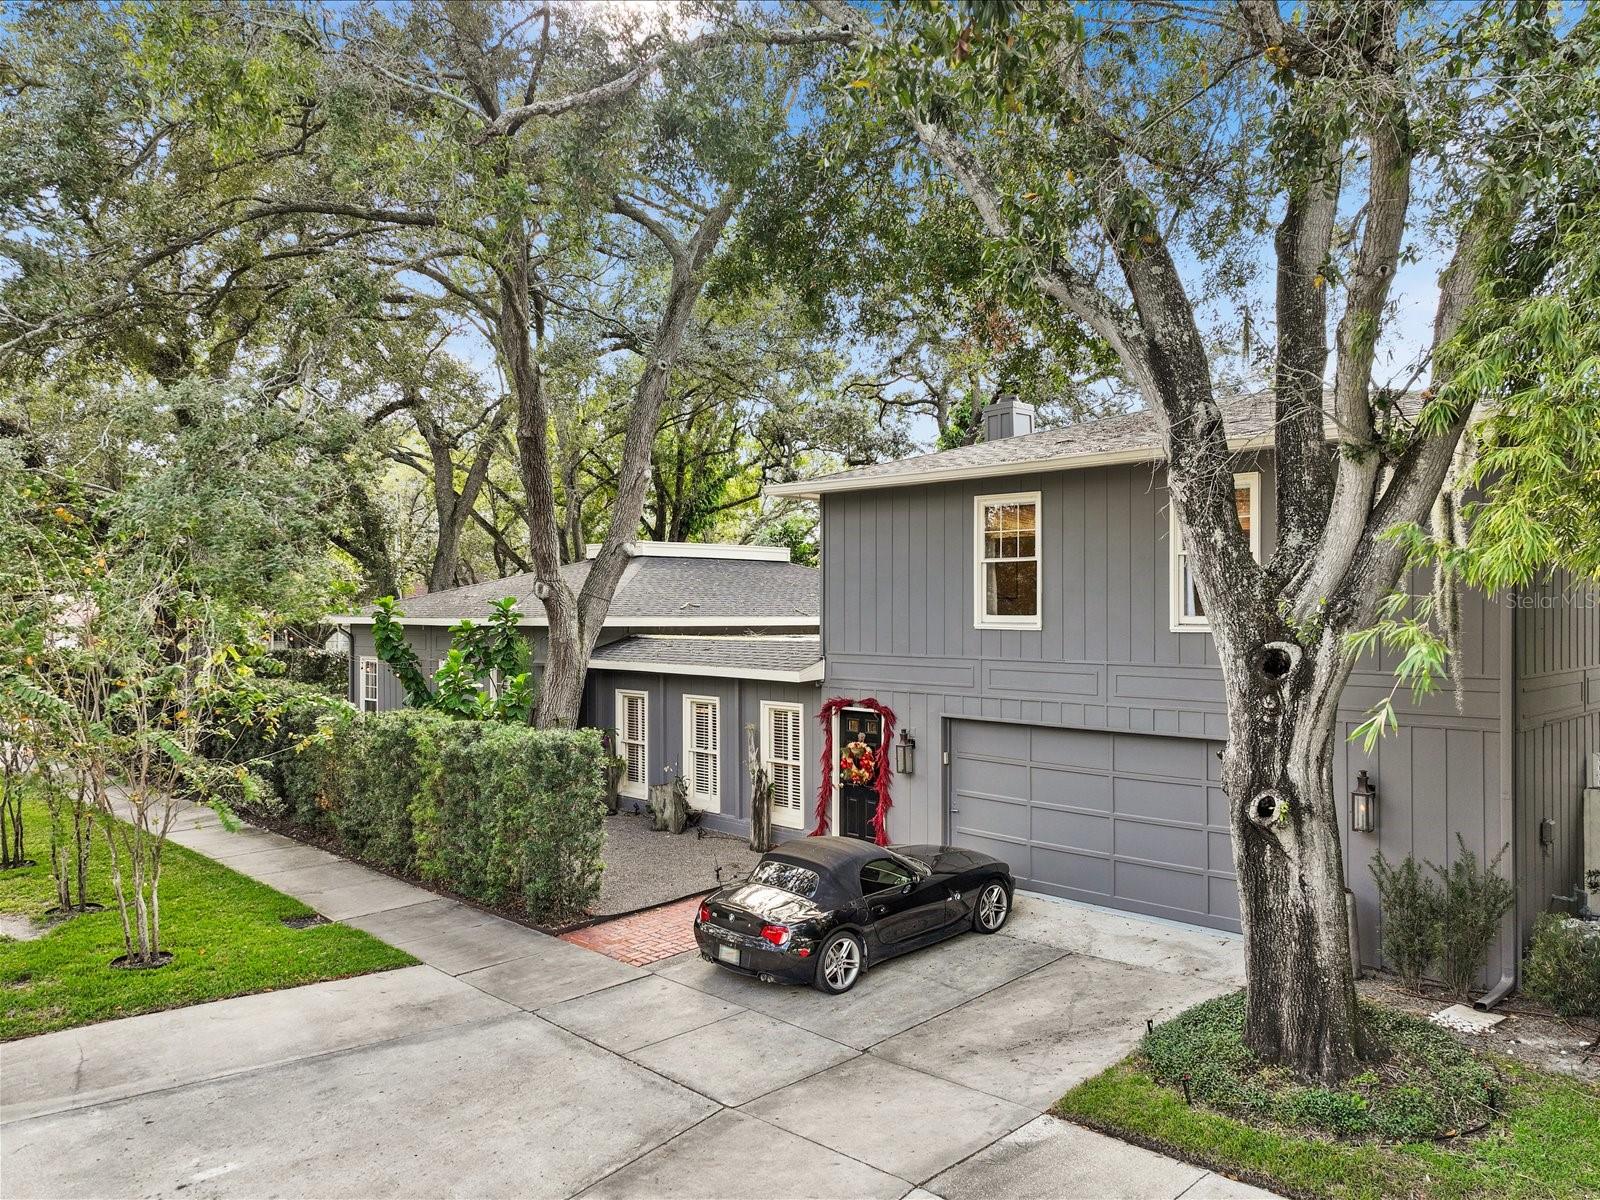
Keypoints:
(820, 910)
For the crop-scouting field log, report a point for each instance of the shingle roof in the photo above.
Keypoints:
(741, 657)
(655, 590)
(1126, 437)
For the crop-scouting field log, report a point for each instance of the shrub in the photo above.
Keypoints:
(1563, 967)
(1427, 1085)
(497, 812)
(374, 764)
(1473, 902)
(1410, 903)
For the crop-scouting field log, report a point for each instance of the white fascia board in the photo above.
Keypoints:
(809, 623)
(811, 674)
(813, 489)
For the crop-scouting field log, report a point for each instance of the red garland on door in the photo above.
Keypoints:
(880, 819)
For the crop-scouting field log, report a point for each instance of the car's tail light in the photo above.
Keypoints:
(778, 935)
(704, 914)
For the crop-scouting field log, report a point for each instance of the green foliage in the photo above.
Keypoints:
(1427, 1085)
(1410, 905)
(1563, 966)
(226, 933)
(485, 675)
(1452, 922)
(1473, 900)
(1547, 1144)
(493, 810)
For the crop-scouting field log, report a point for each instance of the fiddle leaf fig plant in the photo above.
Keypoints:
(485, 676)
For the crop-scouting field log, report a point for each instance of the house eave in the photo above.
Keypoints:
(815, 489)
(809, 623)
(811, 674)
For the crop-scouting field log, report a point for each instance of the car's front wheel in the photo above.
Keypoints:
(839, 963)
(992, 909)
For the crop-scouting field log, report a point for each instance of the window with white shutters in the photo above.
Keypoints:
(369, 685)
(783, 752)
(633, 742)
(701, 736)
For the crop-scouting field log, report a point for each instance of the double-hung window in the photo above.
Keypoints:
(633, 742)
(368, 698)
(702, 720)
(783, 752)
(1188, 611)
(1007, 561)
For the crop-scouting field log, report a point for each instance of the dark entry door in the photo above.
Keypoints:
(858, 799)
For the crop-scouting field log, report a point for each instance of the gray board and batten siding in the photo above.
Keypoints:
(739, 704)
(898, 597)
(1557, 733)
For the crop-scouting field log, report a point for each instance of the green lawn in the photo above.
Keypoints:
(226, 932)
(1548, 1147)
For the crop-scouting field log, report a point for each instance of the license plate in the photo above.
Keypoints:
(728, 954)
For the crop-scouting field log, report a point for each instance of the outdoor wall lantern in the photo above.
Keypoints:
(905, 753)
(1363, 805)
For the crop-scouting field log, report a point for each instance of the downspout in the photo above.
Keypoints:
(1508, 788)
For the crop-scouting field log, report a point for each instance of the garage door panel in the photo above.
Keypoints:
(991, 778)
(1072, 748)
(1008, 741)
(1176, 758)
(1080, 831)
(1221, 851)
(1134, 821)
(1173, 844)
(1161, 887)
(1075, 789)
(1159, 799)
(1224, 895)
(1017, 855)
(1216, 808)
(1008, 818)
(1081, 872)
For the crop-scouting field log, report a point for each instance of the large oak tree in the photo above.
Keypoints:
(1130, 165)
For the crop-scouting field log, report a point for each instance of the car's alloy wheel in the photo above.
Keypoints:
(839, 964)
(994, 906)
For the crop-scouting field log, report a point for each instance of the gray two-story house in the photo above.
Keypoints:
(1022, 608)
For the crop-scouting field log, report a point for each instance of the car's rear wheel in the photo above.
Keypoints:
(992, 908)
(839, 963)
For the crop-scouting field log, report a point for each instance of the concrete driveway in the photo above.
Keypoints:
(513, 1064)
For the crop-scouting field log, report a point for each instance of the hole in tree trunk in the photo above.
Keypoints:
(1267, 809)
(1275, 661)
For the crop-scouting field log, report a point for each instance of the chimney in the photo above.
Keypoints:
(1007, 417)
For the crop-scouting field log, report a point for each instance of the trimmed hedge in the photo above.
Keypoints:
(495, 812)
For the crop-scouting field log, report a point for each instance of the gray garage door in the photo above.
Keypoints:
(1121, 819)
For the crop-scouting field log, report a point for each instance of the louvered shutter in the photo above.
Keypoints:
(704, 782)
(783, 755)
(632, 738)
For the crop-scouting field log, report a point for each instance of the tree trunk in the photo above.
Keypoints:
(1278, 775)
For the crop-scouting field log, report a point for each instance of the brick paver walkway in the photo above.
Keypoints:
(644, 937)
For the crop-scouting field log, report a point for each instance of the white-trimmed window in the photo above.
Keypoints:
(633, 742)
(1188, 611)
(368, 682)
(1006, 566)
(702, 767)
(783, 753)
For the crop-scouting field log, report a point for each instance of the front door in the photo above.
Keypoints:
(902, 906)
(858, 787)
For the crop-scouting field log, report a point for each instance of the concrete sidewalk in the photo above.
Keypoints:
(512, 1063)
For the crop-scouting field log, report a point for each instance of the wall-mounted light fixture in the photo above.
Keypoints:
(1363, 805)
(905, 754)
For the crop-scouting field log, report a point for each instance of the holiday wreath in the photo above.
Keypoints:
(857, 764)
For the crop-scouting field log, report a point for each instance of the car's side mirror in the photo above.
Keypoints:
(905, 889)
